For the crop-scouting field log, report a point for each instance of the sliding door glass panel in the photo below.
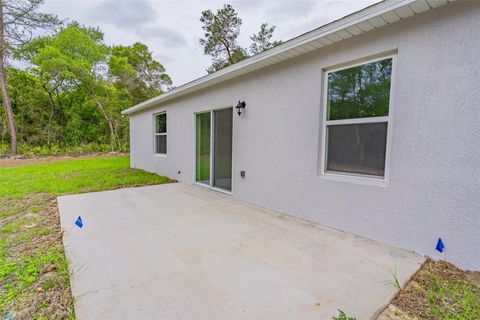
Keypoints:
(202, 152)
(222, 151)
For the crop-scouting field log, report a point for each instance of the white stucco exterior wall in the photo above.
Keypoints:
(434, 169)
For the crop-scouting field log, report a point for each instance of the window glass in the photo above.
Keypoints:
(160, 144)
(161, 123)
(357, 148)
(203, 147)
(161, 133)
(359, 92)
(222, 150)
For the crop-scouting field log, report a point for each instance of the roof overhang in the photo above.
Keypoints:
(367, 19)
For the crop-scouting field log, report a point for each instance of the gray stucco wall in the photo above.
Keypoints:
(434, 170)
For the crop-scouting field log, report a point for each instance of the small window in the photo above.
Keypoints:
(356, 119)
(161, 133)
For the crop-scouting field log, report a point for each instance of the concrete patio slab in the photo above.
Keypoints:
(183, 252)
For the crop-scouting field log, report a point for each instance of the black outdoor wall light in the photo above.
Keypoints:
(240, 106)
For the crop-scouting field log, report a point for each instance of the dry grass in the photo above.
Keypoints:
(35, 279)
(438, 291)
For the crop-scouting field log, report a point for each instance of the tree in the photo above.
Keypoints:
(221, 33)
(262, 40)
(74, 87)
(18, 21)
(33, 112)
(134, 69)
(78, 72)
(76, 57)
(238, 54)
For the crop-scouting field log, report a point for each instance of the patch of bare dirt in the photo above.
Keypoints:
(20, 160)
(412, 302)
(394, 313)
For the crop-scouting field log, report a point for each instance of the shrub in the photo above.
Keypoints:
(343, 316)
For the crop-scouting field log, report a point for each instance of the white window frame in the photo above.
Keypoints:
(155, 134)
(355, 177)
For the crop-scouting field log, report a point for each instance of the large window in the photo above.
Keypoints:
(161, 133)
(356, 119)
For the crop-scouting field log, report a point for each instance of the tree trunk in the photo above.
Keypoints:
(52, 112)
(113, 135)
(3, 86)
(229, 53)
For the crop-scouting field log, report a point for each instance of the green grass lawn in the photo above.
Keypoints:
(34, 274)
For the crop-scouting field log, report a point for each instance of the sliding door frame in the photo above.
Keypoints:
(212, 145)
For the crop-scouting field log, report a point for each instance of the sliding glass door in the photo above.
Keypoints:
(222, 151)
(214, 131)
(202, 153)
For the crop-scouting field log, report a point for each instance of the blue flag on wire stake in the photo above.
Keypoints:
(440, 245)
(79, 222)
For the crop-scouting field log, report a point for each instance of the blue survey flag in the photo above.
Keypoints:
(440, 245)
(79, 222)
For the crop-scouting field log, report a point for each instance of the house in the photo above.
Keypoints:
(369, 124)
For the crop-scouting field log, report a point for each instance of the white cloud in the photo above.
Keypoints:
(122, 14)
(171, 29)
(170, 38)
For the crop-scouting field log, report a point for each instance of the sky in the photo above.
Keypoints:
(171, 29)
